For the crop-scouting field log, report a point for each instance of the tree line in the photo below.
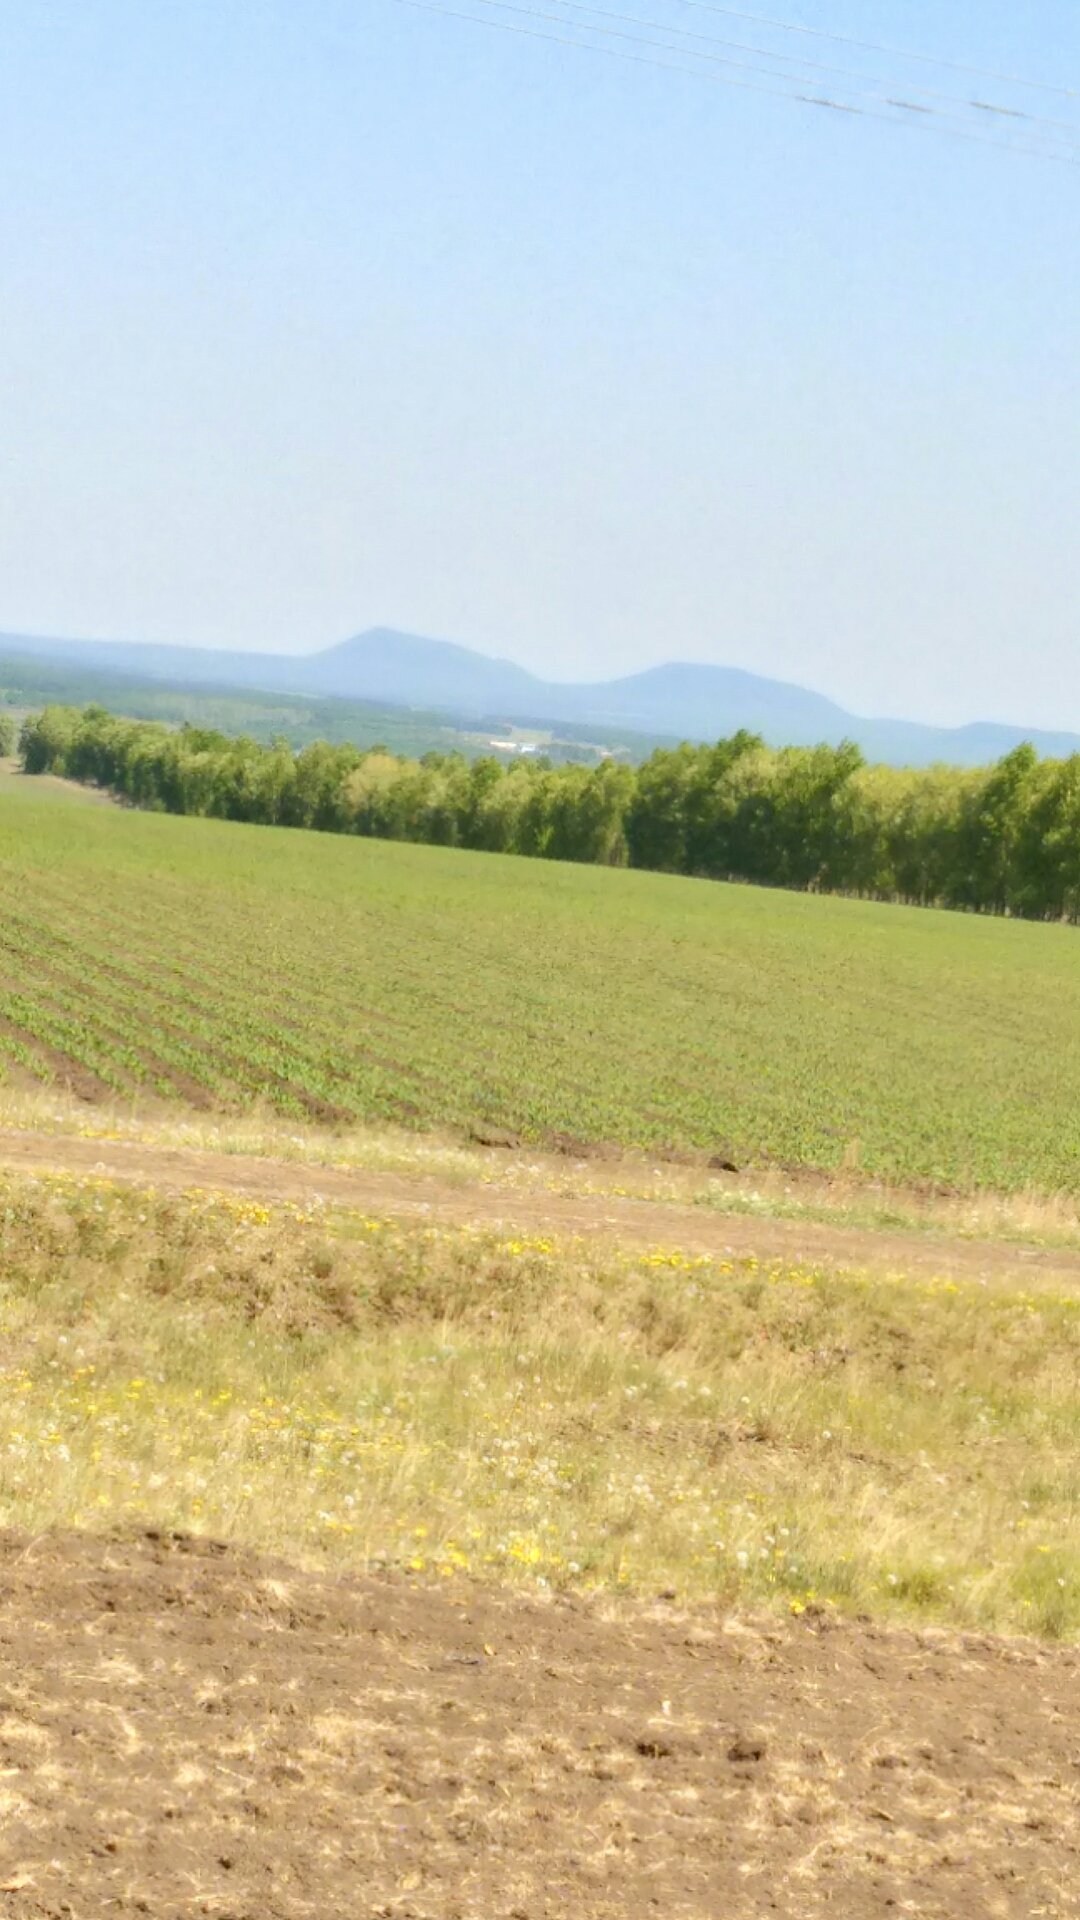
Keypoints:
(1000, 839)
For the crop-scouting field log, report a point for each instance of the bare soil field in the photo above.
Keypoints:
(188, 1730)
(631, 1222)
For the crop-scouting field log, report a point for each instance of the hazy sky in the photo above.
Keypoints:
(315, 316)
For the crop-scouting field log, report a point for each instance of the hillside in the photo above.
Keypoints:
(401, 1486)
(678, 699)
(29, 682)
(200, 961)
(998, 840)
(647, 1584)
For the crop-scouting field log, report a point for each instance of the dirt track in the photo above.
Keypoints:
(184, 1730)
(630, 1222)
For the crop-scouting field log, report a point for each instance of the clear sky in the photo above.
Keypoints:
(316, 316)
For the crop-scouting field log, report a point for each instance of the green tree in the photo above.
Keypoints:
(999, 839)
(656, 818)
(717, 784)
(992, 831)
(46, 737)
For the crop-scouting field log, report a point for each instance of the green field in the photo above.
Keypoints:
(342, 978)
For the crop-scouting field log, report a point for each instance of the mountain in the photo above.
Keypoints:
(677, 701)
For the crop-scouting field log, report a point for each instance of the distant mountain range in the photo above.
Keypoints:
(677, 701)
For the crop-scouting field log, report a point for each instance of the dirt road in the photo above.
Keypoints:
(628, 1222)
(188, 1731)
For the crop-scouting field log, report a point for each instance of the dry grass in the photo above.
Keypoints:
(448, 1400)
(258, 1131)
(844, 1199)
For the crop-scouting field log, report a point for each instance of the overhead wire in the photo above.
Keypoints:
(876, 46)
(772, 54)
(893, 111)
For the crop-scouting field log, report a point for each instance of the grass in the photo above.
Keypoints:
(146, 958)
(453, 1403)
(840, 1199)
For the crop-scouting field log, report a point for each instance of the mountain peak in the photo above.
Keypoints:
(683, 699)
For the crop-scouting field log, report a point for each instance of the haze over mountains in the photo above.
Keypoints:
(680, 700)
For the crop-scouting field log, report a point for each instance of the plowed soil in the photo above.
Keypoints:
(186, 1730)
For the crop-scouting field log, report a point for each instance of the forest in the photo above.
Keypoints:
(1003, 839)
(29, 683)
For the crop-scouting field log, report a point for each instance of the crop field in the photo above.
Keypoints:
(149, 958)
(525, 1544)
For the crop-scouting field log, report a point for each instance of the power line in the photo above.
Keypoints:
(891, 111)
(948, 100)
(892, 53)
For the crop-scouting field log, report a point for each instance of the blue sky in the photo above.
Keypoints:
(324, 316)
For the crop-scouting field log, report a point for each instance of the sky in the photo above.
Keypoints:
(325, 316)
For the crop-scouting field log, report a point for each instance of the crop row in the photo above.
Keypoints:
(210, 962)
